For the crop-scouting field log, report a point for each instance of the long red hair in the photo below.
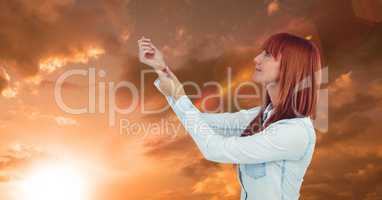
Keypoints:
(299, 80)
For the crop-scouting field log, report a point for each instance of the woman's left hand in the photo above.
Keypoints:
(150, 55)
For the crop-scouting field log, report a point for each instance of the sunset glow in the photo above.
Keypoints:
(54, 182)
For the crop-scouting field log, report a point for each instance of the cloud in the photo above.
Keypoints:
(51, 64)
(343, 175)
(273, 7)
(221, 184)
(49, 35)
(49, 28)
(4, 79)
(66, 121)
(199, 168)
(368, 10)
(342, 89)
(17, 158)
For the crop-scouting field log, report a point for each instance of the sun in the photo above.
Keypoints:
(54, 182)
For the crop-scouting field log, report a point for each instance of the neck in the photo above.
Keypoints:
(273, 91)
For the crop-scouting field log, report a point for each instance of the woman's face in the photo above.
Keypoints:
(267, 68)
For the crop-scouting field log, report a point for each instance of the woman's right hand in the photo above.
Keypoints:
(150, 55)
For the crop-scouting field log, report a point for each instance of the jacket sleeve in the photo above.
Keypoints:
(226, 124)
(283, 140)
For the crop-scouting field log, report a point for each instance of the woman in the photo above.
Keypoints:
(273, 143)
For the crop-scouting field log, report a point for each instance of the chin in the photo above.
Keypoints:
(256, 79)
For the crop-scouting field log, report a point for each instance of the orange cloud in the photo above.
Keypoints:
(342, 89)
(222, 184)
(273, 7)
(17, 158)
(53, 63)
(65, 121)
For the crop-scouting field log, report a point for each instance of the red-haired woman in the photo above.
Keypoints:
(273, 143)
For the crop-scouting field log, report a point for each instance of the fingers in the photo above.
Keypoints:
(146, 42)
(147, 49)
(146, 46)
(144, 39)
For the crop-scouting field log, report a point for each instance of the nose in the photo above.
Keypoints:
(257, 59)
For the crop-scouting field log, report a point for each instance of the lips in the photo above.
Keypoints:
(257, 67)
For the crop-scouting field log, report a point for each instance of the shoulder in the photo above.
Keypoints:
(254, 110)
(301, 123)
(299, 130)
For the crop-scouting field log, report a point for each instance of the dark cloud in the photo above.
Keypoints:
(345, 176)
(199, 169)
(4, 79)
(164, 147)
(32, 31)
(346, 123)
(3, 84)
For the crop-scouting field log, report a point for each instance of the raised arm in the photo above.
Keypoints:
(282, 140)
(227, 124)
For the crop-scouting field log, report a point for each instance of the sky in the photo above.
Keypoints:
(202, 41)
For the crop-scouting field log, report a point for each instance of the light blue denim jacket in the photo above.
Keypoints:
(271, 164)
